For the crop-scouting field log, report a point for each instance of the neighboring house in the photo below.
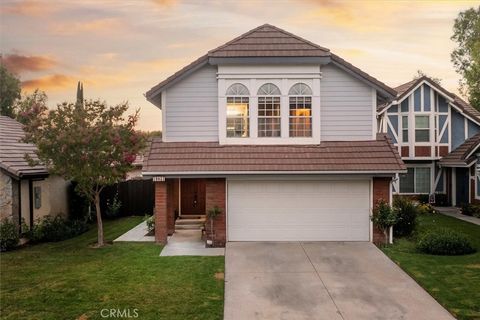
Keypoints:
(277, 132)
(26, 192)
(136, 172)
(437, 135)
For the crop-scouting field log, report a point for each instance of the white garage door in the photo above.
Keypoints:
(298, 210)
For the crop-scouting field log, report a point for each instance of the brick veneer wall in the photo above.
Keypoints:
(381, 190)
(161, 220)
(215, 190)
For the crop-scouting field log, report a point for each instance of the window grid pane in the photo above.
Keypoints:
(269, 117)
(422, 180)
(238, 117)
(407, 181)
(300, 123)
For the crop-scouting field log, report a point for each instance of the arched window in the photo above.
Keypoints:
(300, 110)
(238, 111)
(237, 89)
(300, 89)
(269, 117)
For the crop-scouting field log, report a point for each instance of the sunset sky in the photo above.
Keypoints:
(121, 48)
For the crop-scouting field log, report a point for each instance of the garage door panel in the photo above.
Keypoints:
(298, 210)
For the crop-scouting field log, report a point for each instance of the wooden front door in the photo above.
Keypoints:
(193, 196)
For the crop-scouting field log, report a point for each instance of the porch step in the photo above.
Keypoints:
(192, 216)
(190, 222)
(188, 226)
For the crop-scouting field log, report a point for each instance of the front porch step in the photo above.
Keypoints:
(192, 216)
(190, 221)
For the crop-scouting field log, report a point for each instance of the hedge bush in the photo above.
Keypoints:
(9, 236)
(444, 242)
(52, 229)
(406, 217)
(471, 210)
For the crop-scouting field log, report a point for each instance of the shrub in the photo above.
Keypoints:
(423, 198)
(444, 242)
(407, 217)
(471, 210)
(425, 208)
(384, 217)
(113, 207)
(9, 236)
(51, 229)
(150, 223)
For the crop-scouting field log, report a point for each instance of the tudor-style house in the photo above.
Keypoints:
(437, 136)
(280, 135)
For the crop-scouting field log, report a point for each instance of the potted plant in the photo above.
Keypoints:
(211, 215)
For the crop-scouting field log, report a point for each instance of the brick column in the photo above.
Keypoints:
(381, 191)
(161, 212)
(215, 194)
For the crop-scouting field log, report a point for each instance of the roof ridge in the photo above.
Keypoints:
(242, 36)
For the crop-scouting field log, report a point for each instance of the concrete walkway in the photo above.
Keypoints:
(189, 243)
(137, 234)
(455, 212)
(321, 280)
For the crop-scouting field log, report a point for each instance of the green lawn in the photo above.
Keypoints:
(454, 281)
(68, 280)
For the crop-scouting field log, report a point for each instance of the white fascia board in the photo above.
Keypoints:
(223, 173)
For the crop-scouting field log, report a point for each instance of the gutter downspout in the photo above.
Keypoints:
(30, 201)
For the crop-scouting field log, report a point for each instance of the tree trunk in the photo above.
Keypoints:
(99, 220)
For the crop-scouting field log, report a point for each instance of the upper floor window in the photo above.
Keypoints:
(422, 128)
(269, 117)
(405, 128)
(300, 106)
(238, 111)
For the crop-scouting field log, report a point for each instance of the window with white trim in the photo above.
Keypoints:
(416, 180)
(300, 110)
(238, 111)
(405, 128)
(422, 128)
(269, 117)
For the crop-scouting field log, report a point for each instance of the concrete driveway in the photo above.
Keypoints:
(320, 280)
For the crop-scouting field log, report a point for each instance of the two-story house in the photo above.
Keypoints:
(437, 136)
(277, 132)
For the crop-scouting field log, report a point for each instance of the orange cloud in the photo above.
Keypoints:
(106, 25)
(17, 63)
(28, 8)
(52, 82)
(165, 3)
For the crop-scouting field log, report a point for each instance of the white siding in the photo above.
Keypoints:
(346, 106)
(191, 107)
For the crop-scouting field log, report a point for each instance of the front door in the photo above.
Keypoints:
(462, 186)
(193, 196)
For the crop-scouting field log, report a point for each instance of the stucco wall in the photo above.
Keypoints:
(6, 200)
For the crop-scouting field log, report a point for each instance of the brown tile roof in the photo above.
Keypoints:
(406, 88)
(12, 150)
(267, 41)
(374, 156)
(463, 155)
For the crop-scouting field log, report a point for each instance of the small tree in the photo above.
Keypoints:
(466, 56)
(384, 217)
(9, 91)
(211, 215)
(93, 145)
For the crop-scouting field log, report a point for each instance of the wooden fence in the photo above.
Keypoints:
(136, 197)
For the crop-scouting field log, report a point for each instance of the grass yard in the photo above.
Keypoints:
(69, 280)
(454, 281)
